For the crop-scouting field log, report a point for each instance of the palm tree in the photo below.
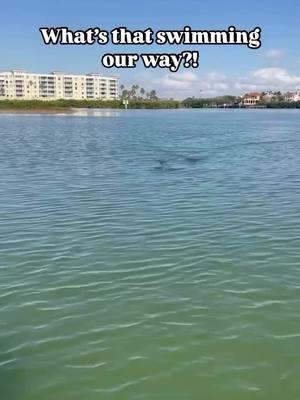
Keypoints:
(152, 95)
(125, 94)
(132, 91)
(122, 87)
(142, 91)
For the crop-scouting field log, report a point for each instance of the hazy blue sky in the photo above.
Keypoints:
(222, 68)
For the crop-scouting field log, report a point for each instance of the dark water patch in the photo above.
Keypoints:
(194, 159)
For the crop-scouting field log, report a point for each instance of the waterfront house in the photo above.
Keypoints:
(290, 97)
(251, 99)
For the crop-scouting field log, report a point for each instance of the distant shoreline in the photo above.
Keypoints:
(75, 106)
(64, 105)
(90, 111)
(61, 110)
(84, 112)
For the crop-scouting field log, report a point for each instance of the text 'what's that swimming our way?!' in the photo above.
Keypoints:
(172, 61)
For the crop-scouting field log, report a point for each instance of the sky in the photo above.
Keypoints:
(222, 69)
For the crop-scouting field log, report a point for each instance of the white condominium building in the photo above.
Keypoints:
(56, 85)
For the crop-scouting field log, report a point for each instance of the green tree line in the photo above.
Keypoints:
(138, 102)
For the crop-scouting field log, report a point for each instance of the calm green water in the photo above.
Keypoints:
(150, 255)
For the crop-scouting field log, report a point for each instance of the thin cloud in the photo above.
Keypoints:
(275, 56)
(276, 77)
(180, 85)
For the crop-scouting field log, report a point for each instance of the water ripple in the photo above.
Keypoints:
(150, 256)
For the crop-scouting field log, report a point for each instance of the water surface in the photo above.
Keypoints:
(150, 255)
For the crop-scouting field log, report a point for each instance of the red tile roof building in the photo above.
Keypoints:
(251, 99)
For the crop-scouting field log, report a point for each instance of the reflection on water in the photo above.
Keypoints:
(79, 112)
(150, 255)
(96, 112)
